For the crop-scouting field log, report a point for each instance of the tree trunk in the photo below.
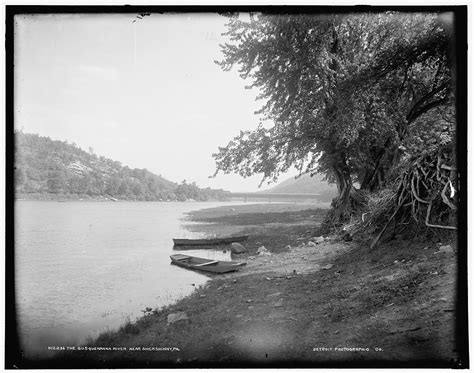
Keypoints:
(344, 205)
(374, 179)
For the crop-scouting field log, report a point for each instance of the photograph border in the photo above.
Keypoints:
(13, 356)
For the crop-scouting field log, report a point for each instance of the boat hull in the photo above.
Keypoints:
(205, 265)
(208, 241)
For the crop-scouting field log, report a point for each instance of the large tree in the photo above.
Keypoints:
(343, 92)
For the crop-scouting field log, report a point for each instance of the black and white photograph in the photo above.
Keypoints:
(236, 186)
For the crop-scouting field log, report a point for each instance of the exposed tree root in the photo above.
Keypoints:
(421, 189)
(343, 208)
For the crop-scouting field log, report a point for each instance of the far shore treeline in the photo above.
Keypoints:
(51, 169)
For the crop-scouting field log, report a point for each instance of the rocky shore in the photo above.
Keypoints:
(304, 301)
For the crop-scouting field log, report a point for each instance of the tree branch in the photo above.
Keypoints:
(417, 109)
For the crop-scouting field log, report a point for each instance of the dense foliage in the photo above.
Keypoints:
(45, 166)
(352, 96)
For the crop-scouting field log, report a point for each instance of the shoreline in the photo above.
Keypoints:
(297, 303)
(45, 197)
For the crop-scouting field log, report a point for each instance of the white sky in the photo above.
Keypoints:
(145, 93)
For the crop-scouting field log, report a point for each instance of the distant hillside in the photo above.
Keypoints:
(306, 184)
(57, 168)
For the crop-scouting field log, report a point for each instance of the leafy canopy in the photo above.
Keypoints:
(339, 89)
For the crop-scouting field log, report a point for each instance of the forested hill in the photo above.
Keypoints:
(49, 168)
(306, 184)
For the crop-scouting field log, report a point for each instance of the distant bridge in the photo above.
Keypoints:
(274, 196)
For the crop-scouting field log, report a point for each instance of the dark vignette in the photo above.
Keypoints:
(13, 355)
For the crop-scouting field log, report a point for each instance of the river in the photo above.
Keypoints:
(85, 267)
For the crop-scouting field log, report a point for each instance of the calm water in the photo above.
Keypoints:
(85, 267)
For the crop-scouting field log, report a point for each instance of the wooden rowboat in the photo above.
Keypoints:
(206, 265)
(208, 241)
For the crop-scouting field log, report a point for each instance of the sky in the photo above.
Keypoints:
(145, 93)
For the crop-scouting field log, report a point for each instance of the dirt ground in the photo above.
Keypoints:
(332, 304)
